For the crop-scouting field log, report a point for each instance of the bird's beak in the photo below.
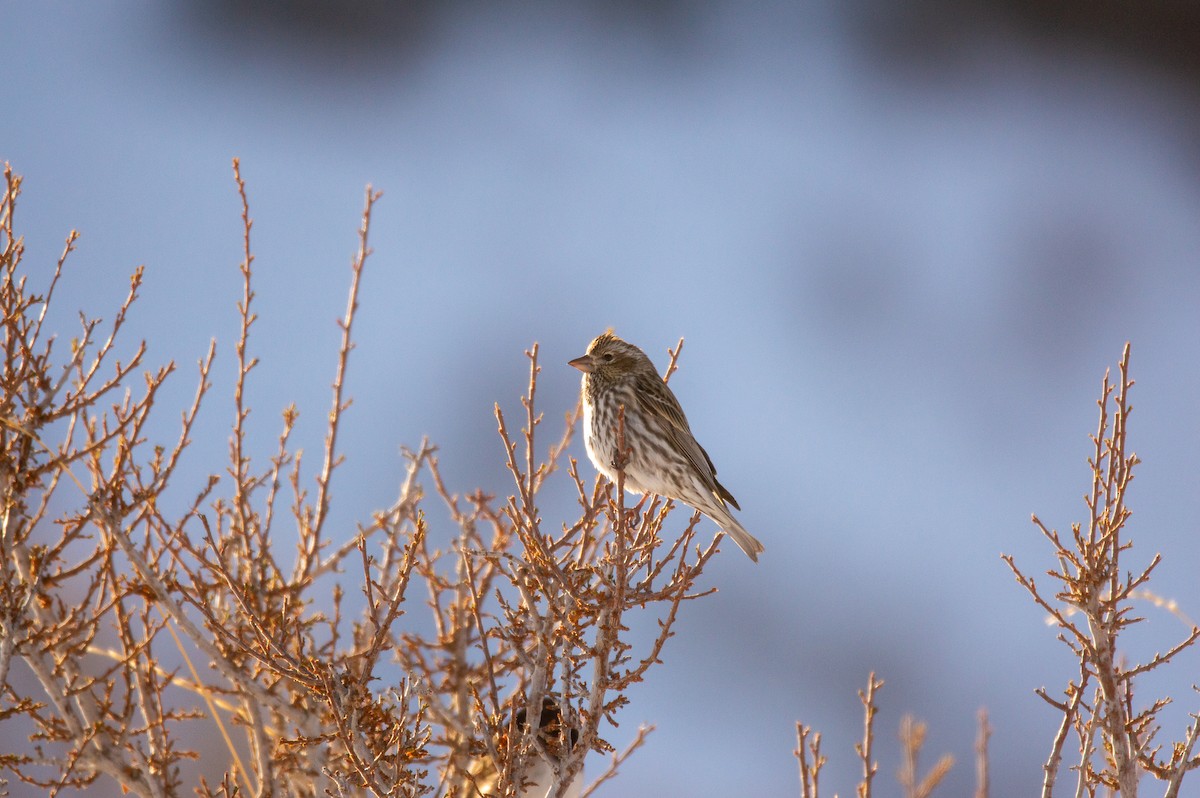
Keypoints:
(584, 364)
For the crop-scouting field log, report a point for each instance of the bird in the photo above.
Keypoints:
(538, 779)
(663, 456)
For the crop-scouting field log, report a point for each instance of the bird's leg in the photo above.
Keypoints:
(635, 514)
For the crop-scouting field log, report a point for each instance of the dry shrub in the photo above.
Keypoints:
(1092, 603)
(96, 598)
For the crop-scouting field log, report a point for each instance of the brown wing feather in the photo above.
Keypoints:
(658, 402)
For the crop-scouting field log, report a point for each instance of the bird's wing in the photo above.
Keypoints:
(659, 404)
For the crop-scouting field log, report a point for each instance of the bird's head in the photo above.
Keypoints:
(609, 358)
(550, 725)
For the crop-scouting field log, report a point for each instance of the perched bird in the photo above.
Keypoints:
(663, 455)
(537, 780)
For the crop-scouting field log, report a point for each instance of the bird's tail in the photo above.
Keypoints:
(745, 541)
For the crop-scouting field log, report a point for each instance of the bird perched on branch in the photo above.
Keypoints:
(538, 777)
(663, 456)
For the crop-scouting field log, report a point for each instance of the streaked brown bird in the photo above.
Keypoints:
(664, 457)
(538, 777)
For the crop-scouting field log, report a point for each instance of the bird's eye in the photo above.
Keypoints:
(608, 356)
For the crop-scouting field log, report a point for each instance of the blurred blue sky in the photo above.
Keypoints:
(900, 270)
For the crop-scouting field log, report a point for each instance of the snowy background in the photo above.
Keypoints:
(902, 241)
